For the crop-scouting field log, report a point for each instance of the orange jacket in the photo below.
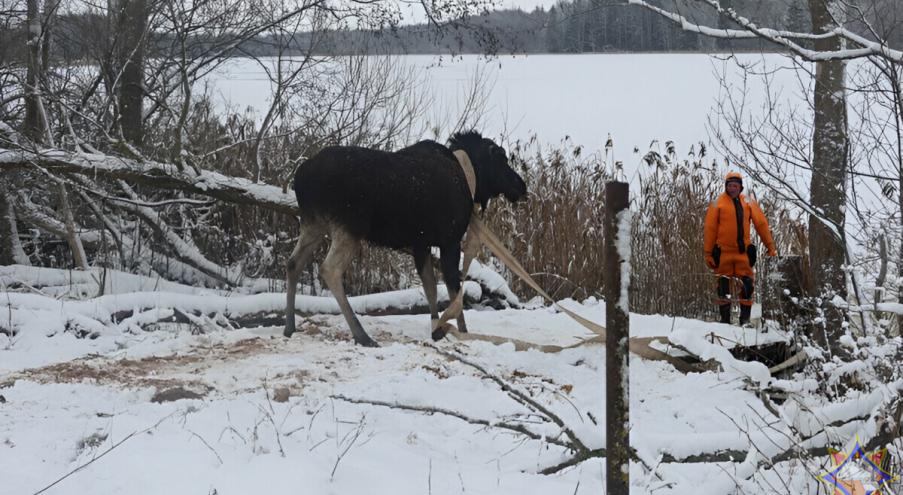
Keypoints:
(721, 224)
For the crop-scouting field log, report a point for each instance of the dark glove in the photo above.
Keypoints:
(714, 259)
(752, 254)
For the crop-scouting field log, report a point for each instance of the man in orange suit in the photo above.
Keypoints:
(727, 246)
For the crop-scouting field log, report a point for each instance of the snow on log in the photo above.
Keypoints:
(161, 175)
(492, 282)
(697, 344)
(131, 302)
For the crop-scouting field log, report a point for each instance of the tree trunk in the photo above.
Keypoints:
(132, 25)
(897, 85)
(11, 252)
(33, 126)
(830, 153)
(72, 237)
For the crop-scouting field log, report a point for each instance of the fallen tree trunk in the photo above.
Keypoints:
(161, 175)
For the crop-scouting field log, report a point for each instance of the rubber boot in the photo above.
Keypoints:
(745, 312)
(725, 310)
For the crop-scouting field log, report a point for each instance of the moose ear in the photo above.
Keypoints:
(498, 152)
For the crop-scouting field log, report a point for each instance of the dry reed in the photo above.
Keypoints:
(556, 232)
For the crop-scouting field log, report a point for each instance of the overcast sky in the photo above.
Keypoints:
(526, 5)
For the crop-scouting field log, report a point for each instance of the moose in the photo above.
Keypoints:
(412, 199)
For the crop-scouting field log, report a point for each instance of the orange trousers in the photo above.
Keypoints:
(734, 264)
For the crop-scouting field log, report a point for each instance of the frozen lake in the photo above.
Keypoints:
(634, 98)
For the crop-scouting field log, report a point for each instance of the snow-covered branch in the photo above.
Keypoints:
(139, 255)
(162, 175)
(185, 251)
(867, 48)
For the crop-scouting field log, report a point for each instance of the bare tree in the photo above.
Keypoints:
(830, 175)
(35, 124)
(141, 96)
(131, 30)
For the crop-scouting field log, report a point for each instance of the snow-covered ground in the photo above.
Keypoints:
(91, 405)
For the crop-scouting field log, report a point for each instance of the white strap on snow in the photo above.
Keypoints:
(502, 253)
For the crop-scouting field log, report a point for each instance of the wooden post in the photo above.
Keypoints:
(617, 325)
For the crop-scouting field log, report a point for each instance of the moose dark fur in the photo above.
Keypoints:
(415, 198)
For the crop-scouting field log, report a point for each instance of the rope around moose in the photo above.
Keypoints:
(478, 233)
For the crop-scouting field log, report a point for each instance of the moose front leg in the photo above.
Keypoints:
(449, 259)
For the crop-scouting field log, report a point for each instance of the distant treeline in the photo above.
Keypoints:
(577, 26)
(609, 25)
(580, 26)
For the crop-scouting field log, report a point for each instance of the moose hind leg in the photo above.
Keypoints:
(308, 242)
(342, 250)
(428, 278)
